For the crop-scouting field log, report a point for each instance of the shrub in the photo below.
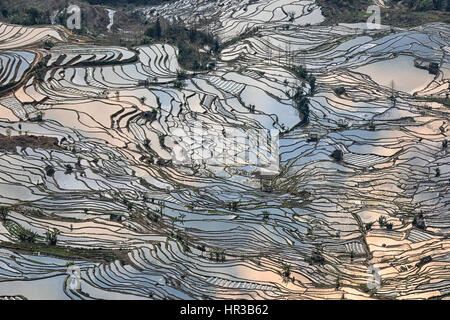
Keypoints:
(181, 75)
(300, 72)
(189, 42)
(339, 91)
(146, 40)
(337, 155)
(178, 84)
(3, 213)
(48, 44)
(52, 236)
(286, 270)
(26, 235)
(69, 169)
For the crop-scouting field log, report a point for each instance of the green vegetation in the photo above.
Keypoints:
(69, 169)
(340, 91)
(438, 172)
(338, 282)
(4, 213)
(96, 255)
(217, 255)
(126, 2)
(26, 235)
(300, 72)
(337, 155)
(316, 258)
(445, 101)
(181, 75)
(401, 13)
(28, 17)
(178, 84)
(300, 98)
(24, 141)
(40, 69)
(145, 40)
(383, 223)
(337, 11)
(302, 103)
(425, 5)
(51, 237)
(48, 44)
(286, 270)
(196, 48)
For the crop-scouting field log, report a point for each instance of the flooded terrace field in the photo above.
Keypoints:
(360, 186)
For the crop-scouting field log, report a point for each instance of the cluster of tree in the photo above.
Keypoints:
(344, 10)
(300, 98)
(48, 44)
(190, 42)
(425, 5)
(26, 235)
(301, 73)
(28, 17)
(383, 223)
(415, 5)
(301, 101)
(125, 2)
(3, 10)
(52, 236)
(4, 213)
(347, 3)
(398, 13)
(41, 68)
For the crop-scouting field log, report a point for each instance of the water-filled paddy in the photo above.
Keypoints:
(400, 71)
(230, 229)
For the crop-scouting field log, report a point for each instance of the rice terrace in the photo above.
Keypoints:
(200, 149)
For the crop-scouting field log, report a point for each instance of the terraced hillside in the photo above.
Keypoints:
(355, 206)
